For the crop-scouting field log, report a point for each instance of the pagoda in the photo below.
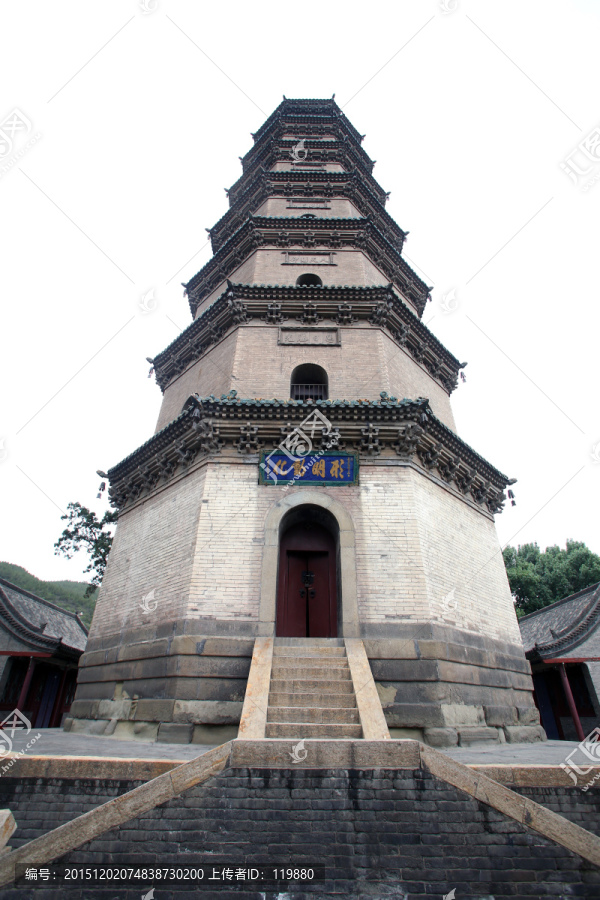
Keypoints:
(305, 494)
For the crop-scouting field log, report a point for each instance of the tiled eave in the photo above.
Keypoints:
(320, 152)
(323, 150)
(316, 176)
(303, 185)
(575, 634)
(309, 111)
(17, 625)
(287, 233)
(308, 128)
(388, 428)
(342, 306)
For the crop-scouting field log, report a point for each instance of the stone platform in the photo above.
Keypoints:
(384, 818)
(55, 742)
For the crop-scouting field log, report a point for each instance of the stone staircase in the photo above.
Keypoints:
(311, 691)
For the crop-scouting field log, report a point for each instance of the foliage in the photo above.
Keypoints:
(86, 532)
(538, 578)
(70, 595)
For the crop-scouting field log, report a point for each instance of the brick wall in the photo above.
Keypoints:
(265, 266)
(415, 542)
(337, 207)
(461, 553)
(250, 361)
(379, 833)
(152, 551)
(228, 546)
(213, 374)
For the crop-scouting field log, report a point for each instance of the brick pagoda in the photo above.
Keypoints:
(306, 484)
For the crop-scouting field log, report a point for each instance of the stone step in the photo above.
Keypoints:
(322, 662)
(291, 685)
(322, 715)
(305, 730)
(308, 642)
(325, 652)
(312, 701)
(314, 673)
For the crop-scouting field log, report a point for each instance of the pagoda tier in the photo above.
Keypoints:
(341, 306)
(317, 235)
(323, 155)
(391, 428)
(309, 114)
(302, 189)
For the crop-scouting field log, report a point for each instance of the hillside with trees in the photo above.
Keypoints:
(71, 595)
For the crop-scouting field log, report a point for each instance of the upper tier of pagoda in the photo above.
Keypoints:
(307, 155)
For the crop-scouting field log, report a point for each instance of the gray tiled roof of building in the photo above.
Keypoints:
(59, 623)
(550, 624)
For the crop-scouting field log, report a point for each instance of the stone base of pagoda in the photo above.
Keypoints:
(436, 683)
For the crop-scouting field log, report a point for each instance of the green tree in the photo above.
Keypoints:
(539, 578)
(86, 532)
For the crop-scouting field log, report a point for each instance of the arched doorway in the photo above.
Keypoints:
(307, 594)
(339, 522)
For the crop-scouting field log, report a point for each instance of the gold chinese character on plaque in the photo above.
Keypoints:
(319, 468)
(337, 468)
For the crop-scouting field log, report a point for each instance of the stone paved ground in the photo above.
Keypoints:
(55, 742)
(546, 753)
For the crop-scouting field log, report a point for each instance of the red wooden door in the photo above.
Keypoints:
(307, 599)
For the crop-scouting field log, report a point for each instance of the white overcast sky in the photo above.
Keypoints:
(469, 109)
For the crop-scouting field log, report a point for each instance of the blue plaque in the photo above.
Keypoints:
(314, 468)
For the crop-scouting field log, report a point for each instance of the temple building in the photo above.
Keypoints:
(562, 644)
(305, 494)
(40, 647)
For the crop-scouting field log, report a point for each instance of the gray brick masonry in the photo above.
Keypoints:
(380, 833)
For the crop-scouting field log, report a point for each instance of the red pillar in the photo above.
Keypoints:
(571, 701)
(26, 683)
(58, 701)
